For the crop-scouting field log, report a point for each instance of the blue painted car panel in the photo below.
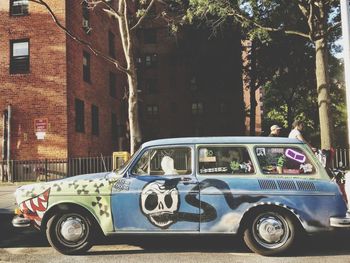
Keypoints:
(131, 213)
(217, 203)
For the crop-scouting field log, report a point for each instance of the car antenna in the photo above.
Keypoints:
(103, 161)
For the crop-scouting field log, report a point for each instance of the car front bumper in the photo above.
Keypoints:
(20, 221)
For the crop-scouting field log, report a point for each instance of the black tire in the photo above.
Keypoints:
(270, 233)
(60, 228)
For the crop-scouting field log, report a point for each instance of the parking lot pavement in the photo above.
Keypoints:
(7, 199)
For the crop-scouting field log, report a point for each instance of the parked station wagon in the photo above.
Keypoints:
(269, 190)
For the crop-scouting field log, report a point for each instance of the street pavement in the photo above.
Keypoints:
(25, 245)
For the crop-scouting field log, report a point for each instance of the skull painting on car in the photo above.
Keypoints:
(160, 202)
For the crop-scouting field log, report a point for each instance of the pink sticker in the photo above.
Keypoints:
(294, 155)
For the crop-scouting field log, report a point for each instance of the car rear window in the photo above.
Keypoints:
(283, 160)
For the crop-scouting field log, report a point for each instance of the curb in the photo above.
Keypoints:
(18, 184)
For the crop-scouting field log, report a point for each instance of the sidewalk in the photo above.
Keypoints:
(7, 199)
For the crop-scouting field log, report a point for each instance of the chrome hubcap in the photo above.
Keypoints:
(72, 229)
(271, 231)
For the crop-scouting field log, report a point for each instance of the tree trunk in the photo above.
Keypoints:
(253, 104)
(323, 94)
(289, 116)
(127, 43)
(252, 86)
(135, 133)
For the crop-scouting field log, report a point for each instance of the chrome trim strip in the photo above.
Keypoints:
(167, 232)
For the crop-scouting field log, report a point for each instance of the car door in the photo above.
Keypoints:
(158, 193)
(225, 174)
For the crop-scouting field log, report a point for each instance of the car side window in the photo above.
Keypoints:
(164, 161)
(283, 160)
(224, 160)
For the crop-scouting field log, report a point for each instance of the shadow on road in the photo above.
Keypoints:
(320, 245)
(19, 237)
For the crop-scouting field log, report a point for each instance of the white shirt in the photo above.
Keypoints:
(294, 134)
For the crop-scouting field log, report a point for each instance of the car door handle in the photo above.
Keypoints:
(188, 180)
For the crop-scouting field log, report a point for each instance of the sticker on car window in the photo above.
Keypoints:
(213, 170)
(260, 152)
(306, 168)
(277, 150)
(296, 156)
(206, 156)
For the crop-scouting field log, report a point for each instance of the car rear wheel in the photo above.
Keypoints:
(270, 233)
(70, 233)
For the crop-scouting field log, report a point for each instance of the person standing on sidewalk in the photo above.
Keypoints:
(275, 131)
(295, 133)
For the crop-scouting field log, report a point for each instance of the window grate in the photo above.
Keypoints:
(286, 185)
(267, 184)
(306, 186)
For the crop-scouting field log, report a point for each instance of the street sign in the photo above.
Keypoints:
(41, 124)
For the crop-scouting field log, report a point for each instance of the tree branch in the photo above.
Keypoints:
(333, 27)
(127, 30)
(310, 18)
(110, 10)
(269, 29)
(144, 15)
(79, 40)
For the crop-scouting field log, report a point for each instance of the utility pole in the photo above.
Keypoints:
(345, 19)
(9, 117)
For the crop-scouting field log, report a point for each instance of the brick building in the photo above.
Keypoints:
(198, 79)
(190, 85)
(55, 85)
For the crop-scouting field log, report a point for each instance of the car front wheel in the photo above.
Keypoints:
(270, 233)
(70, 233)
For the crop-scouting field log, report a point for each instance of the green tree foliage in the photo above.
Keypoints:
(315, 22)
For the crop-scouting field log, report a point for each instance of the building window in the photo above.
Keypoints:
(112, 85)
(79, 116)
(111, 45)
(94, 120)
(150, 36)
(18, 7)
(152, 110)
(86, 17)
(86, 67)
(114, 127)
(151, 86)
(151, 60)
(19, 59)
(193, 84)
(197, 108)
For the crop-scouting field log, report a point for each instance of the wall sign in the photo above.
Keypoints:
(41, 126)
